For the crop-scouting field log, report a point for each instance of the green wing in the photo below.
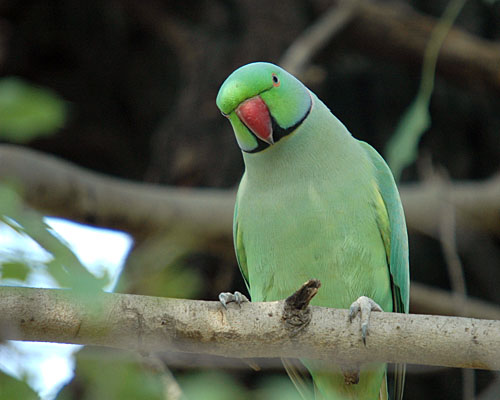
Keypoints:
(394, 233)
(395, 236)
(241, 256)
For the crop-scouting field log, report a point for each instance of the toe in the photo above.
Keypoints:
(225, 297)
(354, 310)
(239, 298)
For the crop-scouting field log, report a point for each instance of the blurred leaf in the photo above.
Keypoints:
(110, 374)
(65, 267)
(279, 387)
(211, 386)
(12, 388)
(15, 270)
(9, 199)
(28, 111)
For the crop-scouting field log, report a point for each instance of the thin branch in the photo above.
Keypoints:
(172, 389)
(447, 237)
(253, 330)
(449, 246)
(298, 56)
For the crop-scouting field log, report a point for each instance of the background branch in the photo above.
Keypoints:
(300, 53)
(59, 188)
(476, 203)
(397, 32)
(255, 330)
(428, 300)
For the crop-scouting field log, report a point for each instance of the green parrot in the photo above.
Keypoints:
(314, 202)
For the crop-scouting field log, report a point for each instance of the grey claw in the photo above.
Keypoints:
(224, 298)
(364, 332)
(364, 306)
(239, 298)
(227, 297)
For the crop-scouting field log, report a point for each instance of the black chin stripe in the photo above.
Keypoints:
(278, 132)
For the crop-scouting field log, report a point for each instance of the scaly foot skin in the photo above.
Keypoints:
(364, 306)
(237, 297)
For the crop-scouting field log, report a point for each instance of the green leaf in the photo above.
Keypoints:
(28, 111)
(402, 149)
(107, 374)
(15, 270)
(9, 200)
(65, 266)
(12, 388)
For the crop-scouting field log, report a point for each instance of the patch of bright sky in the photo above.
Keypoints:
(48, 366)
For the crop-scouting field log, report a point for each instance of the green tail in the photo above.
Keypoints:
(372, 385)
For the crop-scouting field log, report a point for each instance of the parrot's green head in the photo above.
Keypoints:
(264, 104)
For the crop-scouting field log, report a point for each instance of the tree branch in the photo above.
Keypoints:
(255, 330)
(395, 31)
(477, 205)
(61, 189)
(304, 48)
(428, 300)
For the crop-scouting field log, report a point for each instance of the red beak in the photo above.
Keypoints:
(255, 115)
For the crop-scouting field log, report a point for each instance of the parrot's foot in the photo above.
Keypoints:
(237, 297)
(364, 306)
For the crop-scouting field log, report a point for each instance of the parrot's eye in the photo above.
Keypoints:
(276, 80)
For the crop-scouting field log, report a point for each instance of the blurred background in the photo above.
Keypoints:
(127, 88)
